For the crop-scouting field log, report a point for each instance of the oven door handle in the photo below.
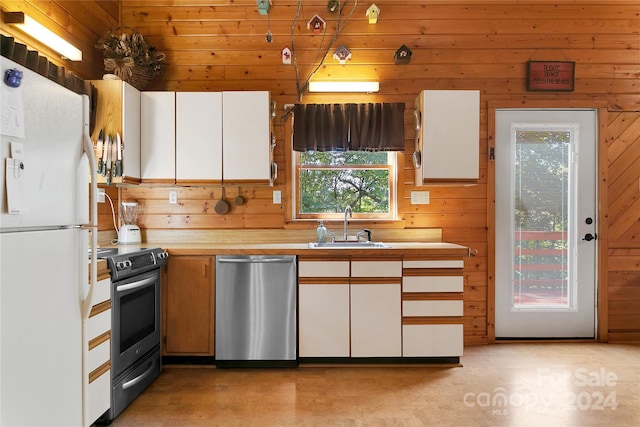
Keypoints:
(139, 378)
(136, 285)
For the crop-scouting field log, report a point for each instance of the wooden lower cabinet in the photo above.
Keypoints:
(188, 306)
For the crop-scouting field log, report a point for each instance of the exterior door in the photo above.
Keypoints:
(545, 223)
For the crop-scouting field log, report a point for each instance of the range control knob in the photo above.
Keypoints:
(122, 265)
(163, 255)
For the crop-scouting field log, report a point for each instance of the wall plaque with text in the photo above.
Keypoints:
(551, 76)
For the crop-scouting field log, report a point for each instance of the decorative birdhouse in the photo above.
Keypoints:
(316, 24)
(263, 6)
(342, 54)
(402, 55)
(373, 12)
(333, 6)
(286, 55)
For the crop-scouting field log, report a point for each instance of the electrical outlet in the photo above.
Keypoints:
(173, 197)
(419, 197)
(101, 195)
(277, 197)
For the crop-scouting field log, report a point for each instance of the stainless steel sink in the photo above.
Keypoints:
(347, 245)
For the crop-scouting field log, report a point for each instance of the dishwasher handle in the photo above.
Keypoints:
(281, 260)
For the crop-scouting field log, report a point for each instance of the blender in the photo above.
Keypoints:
(129, 232)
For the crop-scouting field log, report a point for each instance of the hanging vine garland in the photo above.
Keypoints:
(130, 57)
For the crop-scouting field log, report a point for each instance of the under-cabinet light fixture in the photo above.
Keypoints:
(368, 87)
(39, 32)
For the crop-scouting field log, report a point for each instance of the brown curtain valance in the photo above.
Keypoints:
(348, 127)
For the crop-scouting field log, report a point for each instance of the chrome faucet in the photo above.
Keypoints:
(347, 211)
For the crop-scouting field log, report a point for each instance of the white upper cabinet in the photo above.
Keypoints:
(157, 134)
(447, 137)
(198, 137)
(246, 135)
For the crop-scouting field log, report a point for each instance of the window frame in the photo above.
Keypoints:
(391, 166)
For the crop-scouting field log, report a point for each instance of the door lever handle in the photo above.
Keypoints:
(589, 237)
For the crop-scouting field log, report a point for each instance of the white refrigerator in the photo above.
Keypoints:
(45, 161)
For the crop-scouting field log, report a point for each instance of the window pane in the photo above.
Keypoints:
(541, 216)
(339, 158)
(330, 190)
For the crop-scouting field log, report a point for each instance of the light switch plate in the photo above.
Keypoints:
(173, 197)
(419, 197)
(277, 197)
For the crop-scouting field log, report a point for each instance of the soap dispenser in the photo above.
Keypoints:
(321, 233)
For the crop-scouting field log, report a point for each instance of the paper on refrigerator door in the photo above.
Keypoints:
(12, 107)
(15, 180)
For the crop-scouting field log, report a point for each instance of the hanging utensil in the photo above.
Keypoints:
(114, 157)
(222, 206)
(239, 200)
(105, 154)
(119, 155)
(99, 150)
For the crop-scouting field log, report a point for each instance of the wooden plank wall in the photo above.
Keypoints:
(624, 226)
(472, 44)
(482, 45)
(79, 22)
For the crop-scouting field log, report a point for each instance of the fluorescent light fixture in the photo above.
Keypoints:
(43, 35)
(367, 87)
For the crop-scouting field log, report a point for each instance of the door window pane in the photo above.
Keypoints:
(541, 216)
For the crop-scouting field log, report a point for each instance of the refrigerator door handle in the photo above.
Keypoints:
(93, 225)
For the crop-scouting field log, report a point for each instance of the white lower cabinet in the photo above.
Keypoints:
(349, 308)
(432, 340)
(323, 307)
(324, 320)
(97, 351)
(375, 320)
(432, 308)
(392, 307)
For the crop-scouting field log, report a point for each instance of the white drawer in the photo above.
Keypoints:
(432, 284)
(444, 263)
(432, 308)
(99, 397)
(376, 269)
(102, 292)
(98, 355)
(323, 269)
(98, 324)
(432, 340)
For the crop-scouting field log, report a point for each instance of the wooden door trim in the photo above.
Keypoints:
(602, 202)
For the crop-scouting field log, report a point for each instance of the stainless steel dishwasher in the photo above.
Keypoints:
(256, 311)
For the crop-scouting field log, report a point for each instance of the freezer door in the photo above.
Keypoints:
(256, 298)
(42, 277)
(45, 120)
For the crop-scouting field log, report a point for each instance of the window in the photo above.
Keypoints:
(326, 182)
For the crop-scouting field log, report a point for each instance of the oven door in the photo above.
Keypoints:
(136, 319)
